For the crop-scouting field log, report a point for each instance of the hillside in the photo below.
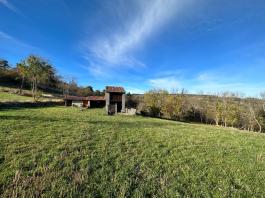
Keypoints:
(67, 152)
(10, 94)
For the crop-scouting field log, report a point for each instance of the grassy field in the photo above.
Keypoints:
(8, 97)
(62, 151)
(8, 94)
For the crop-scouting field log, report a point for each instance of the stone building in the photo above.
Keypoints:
(115, 99)
(87, 102)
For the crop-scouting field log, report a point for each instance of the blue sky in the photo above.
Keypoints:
(199, 45)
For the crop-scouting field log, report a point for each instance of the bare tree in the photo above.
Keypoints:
(253, 114)
(22, 72)
(262, 94)
(154, 101)
(218, 111)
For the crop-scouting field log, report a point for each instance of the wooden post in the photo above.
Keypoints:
(123, 103)
(107, 98)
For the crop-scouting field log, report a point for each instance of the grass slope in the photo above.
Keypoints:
(9, 97)
(67, 152)
(13, 97)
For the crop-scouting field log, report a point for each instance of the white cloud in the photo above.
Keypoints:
(169, 83)
(195, 85)
(246, 89)
(213, 81)
(117, 49)
(5, 36)
(134, 90)
(205, 77)
(12, 45)
(10, 6)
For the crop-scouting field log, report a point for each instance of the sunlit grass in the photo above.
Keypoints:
(67, 152)
(9, 97)
(13, 97)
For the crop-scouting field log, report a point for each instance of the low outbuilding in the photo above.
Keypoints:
(75, 101)
(113, 101)
(87, 102)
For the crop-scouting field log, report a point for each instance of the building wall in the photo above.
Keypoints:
(77, 103)
(115, 99)
(107, 98)
(86, 103)
(123, 103)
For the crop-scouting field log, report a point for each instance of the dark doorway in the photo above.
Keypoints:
(97, 104)
(119, 105)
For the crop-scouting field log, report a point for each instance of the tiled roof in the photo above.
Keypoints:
(91, 98)
(111, 89)
(96, 98)
(75, 98)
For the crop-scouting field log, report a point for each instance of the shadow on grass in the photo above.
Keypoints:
(5, 106)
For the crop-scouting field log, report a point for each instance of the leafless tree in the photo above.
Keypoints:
(262, 94)
(253, 114)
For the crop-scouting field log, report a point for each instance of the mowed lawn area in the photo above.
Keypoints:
(61, 151)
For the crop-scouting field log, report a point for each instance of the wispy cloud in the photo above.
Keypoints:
(209, 86)
(169, 83)
(204, 76)
(117, 49)
(134, 90)
(239, 80)
(242, 88)
(10, 6)
(14, 42)
(10, 45)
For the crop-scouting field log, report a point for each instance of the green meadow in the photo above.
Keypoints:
(66, 152)
(9, 97)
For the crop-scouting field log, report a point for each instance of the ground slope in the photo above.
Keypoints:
(67, 152)
(10, 95)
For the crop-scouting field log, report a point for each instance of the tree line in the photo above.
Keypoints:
(39, 75)
(223, 109)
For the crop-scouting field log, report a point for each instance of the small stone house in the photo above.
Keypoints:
(114, 100)
(87, 102)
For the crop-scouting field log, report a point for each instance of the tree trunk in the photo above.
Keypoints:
(22, 84)
(256, 120)
(32, 88)
(201, 117)
(216, 121)
(36, 89)
(260, 128)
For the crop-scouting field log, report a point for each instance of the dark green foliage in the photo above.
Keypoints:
(99, 93)
(4, 65)
(8, 75)
(130, 102)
